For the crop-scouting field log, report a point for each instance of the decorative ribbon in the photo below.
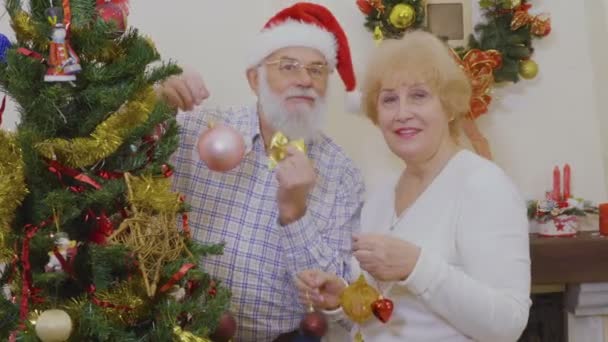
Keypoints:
(540, 24)
(31, 54)
(278, 148)
(479, 66)
(377, 4)
(177, 276)
(59, 170)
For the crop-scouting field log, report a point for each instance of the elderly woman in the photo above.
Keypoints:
(447, 240)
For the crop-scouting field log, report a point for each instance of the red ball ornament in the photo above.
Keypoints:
(226, 328)
(111, 12)
(383, 309)
(221, 147)
(314, 324)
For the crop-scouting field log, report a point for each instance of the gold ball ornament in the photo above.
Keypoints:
(357, 299)
(402, 16)
(54, 326)
(528, 69)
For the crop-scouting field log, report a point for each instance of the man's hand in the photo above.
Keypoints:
(319, 289)
(296, 176)
(183, 91)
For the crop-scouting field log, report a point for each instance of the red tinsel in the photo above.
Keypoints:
(177, 276)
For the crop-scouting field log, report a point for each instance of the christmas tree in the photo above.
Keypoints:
(90, 245)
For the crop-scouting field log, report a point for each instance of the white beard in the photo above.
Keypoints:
(302, 123)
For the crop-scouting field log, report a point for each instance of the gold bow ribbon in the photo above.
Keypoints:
(278, 148)
(479, 66)
(186, 336)
(540, 24)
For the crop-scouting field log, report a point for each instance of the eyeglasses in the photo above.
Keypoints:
(291, 68)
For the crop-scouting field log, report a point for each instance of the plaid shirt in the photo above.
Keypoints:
(238, 208)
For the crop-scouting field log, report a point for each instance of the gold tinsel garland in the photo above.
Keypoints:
(152, 193)
(25, 30)
(151, 232)
(12, 187)
(124, 304)
(107, 137)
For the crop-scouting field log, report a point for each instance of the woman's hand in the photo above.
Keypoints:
(321, 289)
(384, 257)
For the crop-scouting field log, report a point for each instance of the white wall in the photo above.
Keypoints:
(532, 126)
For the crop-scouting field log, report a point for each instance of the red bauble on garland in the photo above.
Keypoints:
(226, 328)
(314, 324)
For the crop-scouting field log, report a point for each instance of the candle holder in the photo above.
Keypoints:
(557, 215)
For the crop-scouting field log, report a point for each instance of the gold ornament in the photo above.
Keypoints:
(402, 16)
(186, 336)
(54, 326)
(278, 148)
(107, 137)
(378, 35)
(528, 69)
(12, 188)
(33, 316)
(356, 300)
(129, 302)
(151, 231)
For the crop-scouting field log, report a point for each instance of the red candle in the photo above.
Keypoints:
(604, 219)
(567, 182)
(557, 193)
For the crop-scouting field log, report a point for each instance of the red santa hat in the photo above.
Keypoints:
(309, 25)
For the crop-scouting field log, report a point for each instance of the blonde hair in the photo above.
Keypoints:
(418, 57)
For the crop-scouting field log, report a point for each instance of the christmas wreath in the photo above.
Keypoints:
(501, 50)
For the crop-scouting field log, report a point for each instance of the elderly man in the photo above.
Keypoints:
(274, 222)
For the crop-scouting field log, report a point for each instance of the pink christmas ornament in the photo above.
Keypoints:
(221, 147)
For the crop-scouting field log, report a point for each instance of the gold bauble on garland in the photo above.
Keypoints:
(528, 69)
(402, 16)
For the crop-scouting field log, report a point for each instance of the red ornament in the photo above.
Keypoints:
(212, 292)
(365, 7)
(383, 309)
(111, 12)
(166, 170)
(314, 324)
(221, 147)
(124, 4)
(226, 328)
